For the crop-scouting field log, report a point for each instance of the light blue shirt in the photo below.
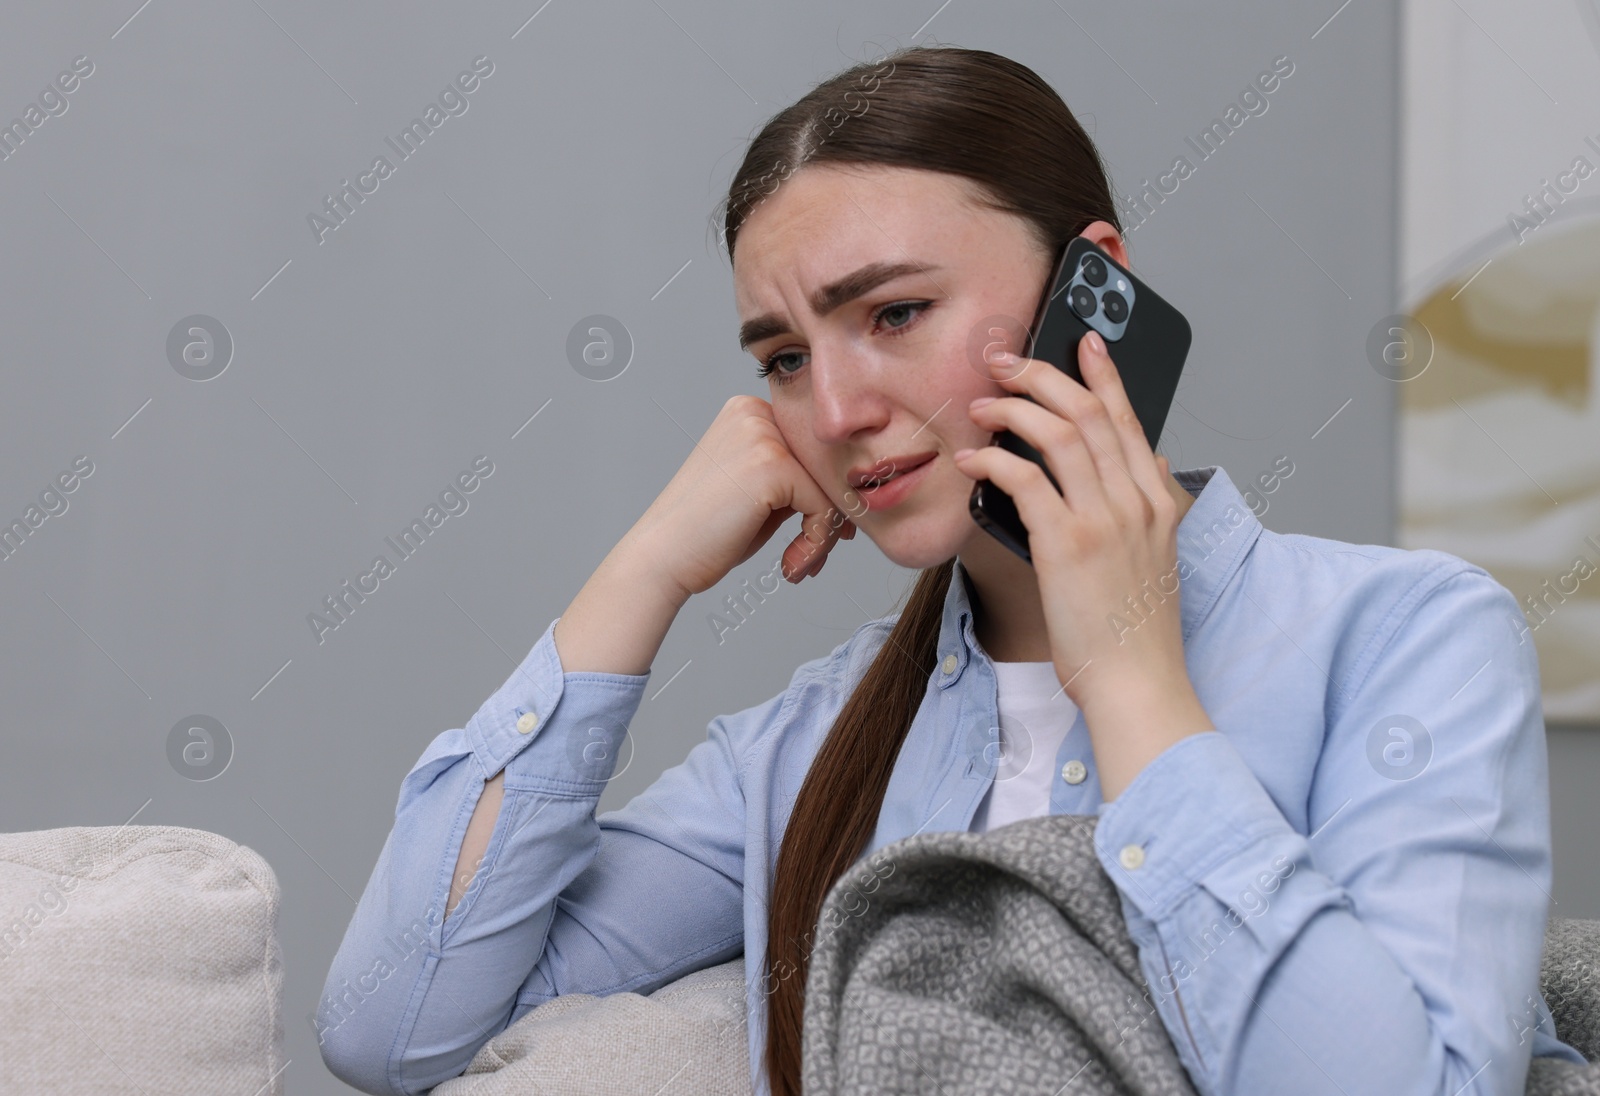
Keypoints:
(1343, 888)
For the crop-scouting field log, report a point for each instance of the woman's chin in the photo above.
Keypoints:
(922, 544)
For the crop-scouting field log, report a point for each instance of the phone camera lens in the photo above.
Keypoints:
(1094, 271)
(1083, 302)
(1116, 306)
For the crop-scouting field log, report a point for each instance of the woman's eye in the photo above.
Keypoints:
(893, 309)
(769, 368)
(910, 310)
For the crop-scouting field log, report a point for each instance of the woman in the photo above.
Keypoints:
(1339, 745)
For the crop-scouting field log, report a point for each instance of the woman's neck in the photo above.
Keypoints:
(1007, 615)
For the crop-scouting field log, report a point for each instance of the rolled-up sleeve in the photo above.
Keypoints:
(1396, 949)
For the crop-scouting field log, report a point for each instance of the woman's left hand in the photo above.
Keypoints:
(1113, 535)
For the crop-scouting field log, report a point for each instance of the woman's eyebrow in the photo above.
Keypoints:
(832, 295)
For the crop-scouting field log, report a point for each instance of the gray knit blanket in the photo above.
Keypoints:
(999, 963)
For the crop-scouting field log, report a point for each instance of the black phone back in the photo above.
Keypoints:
(1149, 342)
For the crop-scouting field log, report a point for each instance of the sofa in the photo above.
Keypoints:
(138, 959)
(145, 959)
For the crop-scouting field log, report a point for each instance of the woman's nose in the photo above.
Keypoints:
(844, 400)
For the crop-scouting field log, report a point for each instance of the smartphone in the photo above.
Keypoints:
(1147, 339)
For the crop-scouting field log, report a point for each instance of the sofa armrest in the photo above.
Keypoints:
(138, 959)
(690, 1032)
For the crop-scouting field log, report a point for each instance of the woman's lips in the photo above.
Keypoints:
(896, 488)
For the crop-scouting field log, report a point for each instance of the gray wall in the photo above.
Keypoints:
(371, 368)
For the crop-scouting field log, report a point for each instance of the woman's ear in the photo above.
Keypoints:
(1105, 236)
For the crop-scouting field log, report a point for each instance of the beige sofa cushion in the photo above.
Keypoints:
(686, 1037)
(138, 959)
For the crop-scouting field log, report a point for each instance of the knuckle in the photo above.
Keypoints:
(1063, 431)
(1100, 536)
(1076, 538)
(768, 455)
(745, 404)
(1034, 474)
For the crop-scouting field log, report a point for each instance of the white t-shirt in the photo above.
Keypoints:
(1035, 715)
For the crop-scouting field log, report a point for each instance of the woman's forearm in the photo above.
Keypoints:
(619, 619)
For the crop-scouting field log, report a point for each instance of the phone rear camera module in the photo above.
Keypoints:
(1116, 306)
(1100, 292)
(1083, 301)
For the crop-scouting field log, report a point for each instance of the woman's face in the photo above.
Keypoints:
(877, 373)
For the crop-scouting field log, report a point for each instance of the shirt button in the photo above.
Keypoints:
(1074, 771)
(1131, 856)
(527, 722)
(949, 664)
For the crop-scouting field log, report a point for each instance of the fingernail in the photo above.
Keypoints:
(1096, 343)
(963, 454)
(981, 400)
(1003, 357)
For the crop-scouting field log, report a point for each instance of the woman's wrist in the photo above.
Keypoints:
(1131, 725)
(617, 622)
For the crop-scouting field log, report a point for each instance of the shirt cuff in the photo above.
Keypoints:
(590, 711)
(1194, 808)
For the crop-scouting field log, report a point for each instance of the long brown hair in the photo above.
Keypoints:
(993, 121)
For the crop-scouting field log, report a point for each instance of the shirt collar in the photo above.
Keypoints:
(1213, 537)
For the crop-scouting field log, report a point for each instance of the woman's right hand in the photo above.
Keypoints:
(738, 485)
